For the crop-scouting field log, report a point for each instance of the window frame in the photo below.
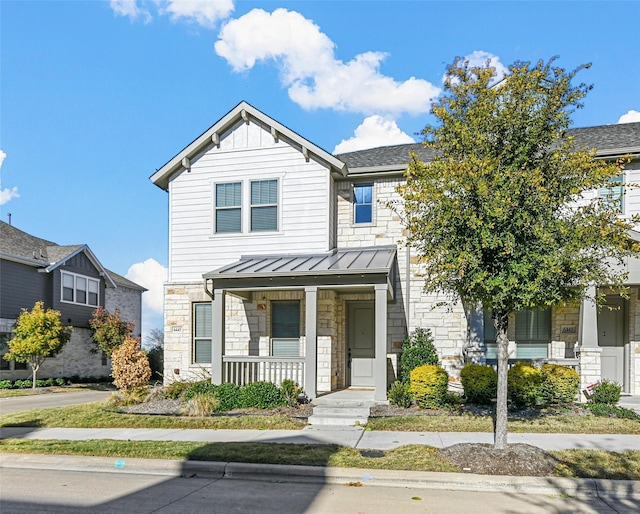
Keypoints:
(227, 208)
(195, 339)
(612, 195)
(76, 277)
(354, 218)
(258, 206)
(286, 339)
(491, 350)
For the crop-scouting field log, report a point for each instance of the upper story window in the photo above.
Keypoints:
(613, 194)
(363, 203)
(80, 289)
(229, 207)
(264, 205)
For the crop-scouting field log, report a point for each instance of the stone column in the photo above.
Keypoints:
(588, 352)
(217, 336)
(311, 342)
(380, 364)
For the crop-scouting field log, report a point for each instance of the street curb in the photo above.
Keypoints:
(574, 487)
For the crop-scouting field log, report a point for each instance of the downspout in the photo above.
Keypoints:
(209, 292)
(408, 286)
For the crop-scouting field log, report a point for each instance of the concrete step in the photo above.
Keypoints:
(332, 410)
(339, 415)
(336, 420)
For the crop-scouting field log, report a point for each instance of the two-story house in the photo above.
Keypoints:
(288, 262)
(69, 279)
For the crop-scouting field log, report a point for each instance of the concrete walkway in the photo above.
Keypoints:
(354, 437)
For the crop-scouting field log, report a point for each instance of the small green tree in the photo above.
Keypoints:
(109, 330)
(38, 334)
(499, 216)
(417, 349)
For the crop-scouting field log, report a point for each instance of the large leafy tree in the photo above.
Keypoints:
(109, 330)
(499, 216)
(38, 334)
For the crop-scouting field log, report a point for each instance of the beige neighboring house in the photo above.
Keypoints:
(66, 278)
(286, 261)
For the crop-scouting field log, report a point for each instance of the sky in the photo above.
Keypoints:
(95, 96)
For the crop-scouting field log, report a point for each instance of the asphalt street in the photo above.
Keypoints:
(47, 400)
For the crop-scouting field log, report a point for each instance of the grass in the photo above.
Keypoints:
(571, 463)
(95, 415)
(557, 424)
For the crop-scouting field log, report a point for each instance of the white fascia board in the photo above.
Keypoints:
(94, 260)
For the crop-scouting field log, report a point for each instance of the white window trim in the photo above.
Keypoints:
(373, 204)
(75, 289)
(277, 205)
(216, 208)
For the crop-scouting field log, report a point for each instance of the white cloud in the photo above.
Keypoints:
(151, 275)
(310, 70)
(630, 117)
(374, 131)
(479, 58)
(203, 12)
(7, 194)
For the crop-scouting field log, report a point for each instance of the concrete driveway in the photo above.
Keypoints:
(47, 400)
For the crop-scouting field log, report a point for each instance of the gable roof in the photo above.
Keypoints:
(242, 111)
(609, 140)
(16, 245)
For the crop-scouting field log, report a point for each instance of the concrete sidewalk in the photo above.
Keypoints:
(355, 437)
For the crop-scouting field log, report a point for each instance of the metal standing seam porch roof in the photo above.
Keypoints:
(377, 260)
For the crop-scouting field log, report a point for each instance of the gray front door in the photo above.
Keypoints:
(361, 343)
(611, 339)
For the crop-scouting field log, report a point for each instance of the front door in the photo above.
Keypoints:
(361, 343)
(611, 339)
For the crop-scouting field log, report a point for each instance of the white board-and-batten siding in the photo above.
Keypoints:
(247, 152)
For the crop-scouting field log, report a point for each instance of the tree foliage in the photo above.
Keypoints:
(37, 335)
(130, 368)
(499, 216)
(109, 330)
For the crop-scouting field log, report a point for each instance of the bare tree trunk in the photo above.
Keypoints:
(501, 322)
(34, 372)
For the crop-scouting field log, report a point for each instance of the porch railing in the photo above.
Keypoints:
(244, 369)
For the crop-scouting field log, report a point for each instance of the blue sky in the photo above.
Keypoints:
(96, 95)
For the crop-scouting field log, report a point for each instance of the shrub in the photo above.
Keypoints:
(417, 349)
(201, 404)
(290, 392)
(612, 411)
(524, 384)
(606, 393)
(428, 386)
(5, 384)
(229, 396)
(480, 383)
(130, 365)
(560, 384)
(400, 395)
(263, 395)
(201, 387)
(156, 361)
(60, 382)
(176, 389)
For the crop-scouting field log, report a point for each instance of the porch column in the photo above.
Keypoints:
(311, 342)
(380, 364)
(588, 352)
(217, 336)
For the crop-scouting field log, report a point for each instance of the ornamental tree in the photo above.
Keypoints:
(38, 334)
(499, 217)
(109, 330)
(130, 365)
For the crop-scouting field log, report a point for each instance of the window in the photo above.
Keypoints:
(6, 365)
(363, 203)
(285, 329)
(80, 289)
(229, 207)
(202, 329)
(612, 195)
(532, 334)
(264, 205)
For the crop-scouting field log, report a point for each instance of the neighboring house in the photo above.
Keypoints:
(69, 279)
(287, 261)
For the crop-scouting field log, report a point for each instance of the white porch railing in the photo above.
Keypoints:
(244, 369)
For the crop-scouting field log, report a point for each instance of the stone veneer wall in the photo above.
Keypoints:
(564, 330)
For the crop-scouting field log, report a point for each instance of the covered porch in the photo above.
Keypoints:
(318, 320)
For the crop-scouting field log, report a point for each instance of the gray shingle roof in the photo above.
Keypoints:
(125, 282)
(608, 139)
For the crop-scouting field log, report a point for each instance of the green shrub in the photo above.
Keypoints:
(525, 384)
(264, 395)
(428, 386)
(176, 389)
(229, 396)
(480, 383)
(5, 384)
(22, 384)
(560, 384)
(400, 395)
(290, 392)
(417, 349)
(202, 387)
(612, 411)
(201, 403)
(606, 393)
(60, 382)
